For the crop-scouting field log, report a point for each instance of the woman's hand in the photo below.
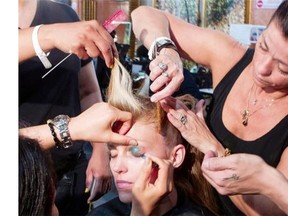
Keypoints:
(147, 193)
(235, 174)
(165, 81)
(102, 123)
(191, 125)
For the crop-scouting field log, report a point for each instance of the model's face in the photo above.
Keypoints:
(270, 61)
(125, 166)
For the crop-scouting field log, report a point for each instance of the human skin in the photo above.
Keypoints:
(126, 168)
(213, 49)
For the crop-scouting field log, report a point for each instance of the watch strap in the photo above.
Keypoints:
(158, 45)
(61, 123)
(39, 52)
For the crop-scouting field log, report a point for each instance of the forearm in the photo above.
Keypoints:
(272, 198)
(156, 22)
(278, 189)
(40, 133)
(43, 134)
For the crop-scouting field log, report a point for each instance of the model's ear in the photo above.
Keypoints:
(178, 155)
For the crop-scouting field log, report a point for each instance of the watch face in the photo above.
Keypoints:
(60, 120)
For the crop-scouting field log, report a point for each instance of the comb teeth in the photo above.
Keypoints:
(137, 151)
(115, 20)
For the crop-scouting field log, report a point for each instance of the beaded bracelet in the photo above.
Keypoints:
(55, 138)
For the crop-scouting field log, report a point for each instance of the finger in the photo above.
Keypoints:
(89, 180)
(144, 176)
(80, 52)
(121, 139)
(200, 108)
(206, 161)
(106, 45)
(168, 103)
(155, 70)
(95, 189)
(164, 179)
(163, 166)
(168, 90)
(218, 163)
(174, 121)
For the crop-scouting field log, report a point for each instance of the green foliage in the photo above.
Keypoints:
(218, 9)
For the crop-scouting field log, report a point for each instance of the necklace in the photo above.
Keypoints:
(246, 112)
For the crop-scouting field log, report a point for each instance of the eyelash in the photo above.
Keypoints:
(284, 73)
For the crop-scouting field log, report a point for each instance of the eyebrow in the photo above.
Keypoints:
(266, 45)
(111, 146)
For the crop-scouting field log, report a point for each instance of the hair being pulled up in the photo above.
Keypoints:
(188, 177)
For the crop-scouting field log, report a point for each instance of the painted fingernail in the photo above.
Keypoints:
(86, 190)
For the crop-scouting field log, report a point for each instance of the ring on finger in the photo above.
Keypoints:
(165, 74)
(163, 66)
(183, 119)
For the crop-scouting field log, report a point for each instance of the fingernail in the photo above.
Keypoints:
(153, 99)
(86, 190)
(133, 142)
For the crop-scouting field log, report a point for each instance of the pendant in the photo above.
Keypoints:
(245, 116)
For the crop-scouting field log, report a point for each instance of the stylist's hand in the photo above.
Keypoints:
(98, 172)
(102, 123)
(235, 174)
(146, 194)
(194, 130)
(165, 82)
(85, 38)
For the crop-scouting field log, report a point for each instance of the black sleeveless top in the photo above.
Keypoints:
(270, 146)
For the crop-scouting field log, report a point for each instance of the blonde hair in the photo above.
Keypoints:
(188, 177)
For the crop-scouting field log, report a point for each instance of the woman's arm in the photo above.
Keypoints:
(258, 185)
(205, 46)
(96, 124)
(85, 38)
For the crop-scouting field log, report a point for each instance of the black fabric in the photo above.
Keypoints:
(267, 146)
(184, 207)
(57, 93)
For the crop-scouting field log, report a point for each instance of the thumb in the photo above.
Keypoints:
(206, 164)
(121, 139)
(210, 154)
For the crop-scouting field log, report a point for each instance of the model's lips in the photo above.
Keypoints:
(124, 185)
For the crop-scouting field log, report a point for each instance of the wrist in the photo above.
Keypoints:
(45, 35)
(38, 49)
(158, 44)
(59, 125)
(276, 180)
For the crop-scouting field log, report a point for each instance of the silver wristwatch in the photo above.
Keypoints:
(61, 123)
